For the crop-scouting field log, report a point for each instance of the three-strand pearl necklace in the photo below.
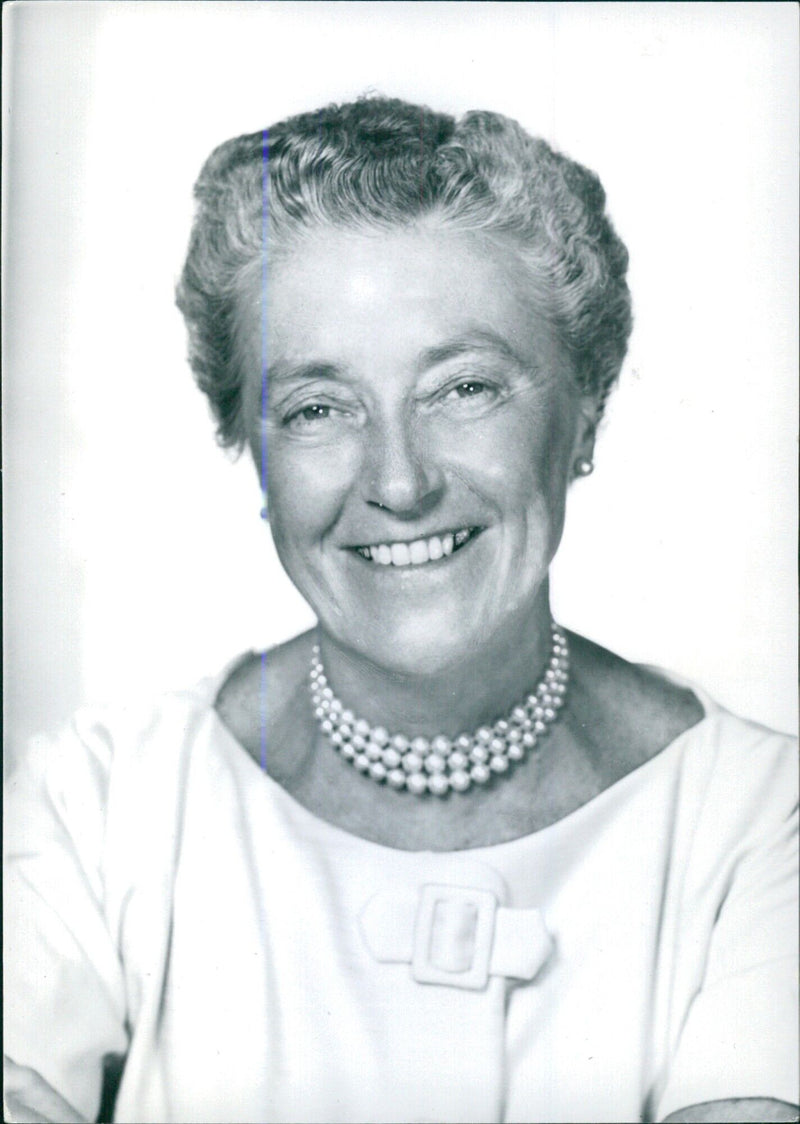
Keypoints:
(439, 764)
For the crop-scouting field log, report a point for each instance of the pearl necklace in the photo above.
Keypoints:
(439, 764)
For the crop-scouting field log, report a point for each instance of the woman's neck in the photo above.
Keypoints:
(483, 686)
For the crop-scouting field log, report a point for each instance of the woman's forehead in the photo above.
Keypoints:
(426, 287)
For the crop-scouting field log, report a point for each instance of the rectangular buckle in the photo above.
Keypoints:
(453, 936)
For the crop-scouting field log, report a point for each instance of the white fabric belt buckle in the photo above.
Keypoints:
(453, 936)
(456, 936)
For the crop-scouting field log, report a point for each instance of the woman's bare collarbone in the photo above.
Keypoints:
(618, 716)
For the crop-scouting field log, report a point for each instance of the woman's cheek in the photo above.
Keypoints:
(307, 486)
(502, 458)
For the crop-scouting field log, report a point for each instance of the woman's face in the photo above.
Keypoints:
(420, 425)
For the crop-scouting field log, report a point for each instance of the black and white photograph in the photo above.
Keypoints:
(400, 531)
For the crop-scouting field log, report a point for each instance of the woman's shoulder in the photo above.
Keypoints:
(628, 713)
(96, 738)
(84, 784)
(152, 736)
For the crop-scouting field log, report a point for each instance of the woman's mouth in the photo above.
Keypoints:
(415, 552)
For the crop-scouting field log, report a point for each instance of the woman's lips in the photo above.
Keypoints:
(416, 552)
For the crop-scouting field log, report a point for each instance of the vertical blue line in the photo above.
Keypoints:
(264, 398)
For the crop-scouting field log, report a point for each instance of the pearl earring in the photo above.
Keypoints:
(583, 467)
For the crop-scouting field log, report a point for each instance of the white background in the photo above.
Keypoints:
(135, 557)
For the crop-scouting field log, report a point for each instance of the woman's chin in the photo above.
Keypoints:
(431, 649)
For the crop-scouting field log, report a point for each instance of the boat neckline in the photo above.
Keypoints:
(710, 710)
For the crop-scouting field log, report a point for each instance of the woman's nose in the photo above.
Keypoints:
(399, 473)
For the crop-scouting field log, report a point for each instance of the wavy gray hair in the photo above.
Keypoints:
(384, 163)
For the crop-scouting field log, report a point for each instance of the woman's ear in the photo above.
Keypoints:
(585, 433)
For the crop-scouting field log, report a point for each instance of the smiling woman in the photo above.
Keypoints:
(438, 809)
(397, 393)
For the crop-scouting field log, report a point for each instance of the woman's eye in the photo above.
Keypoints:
(308, 415)
(470, 389)
(314, 413)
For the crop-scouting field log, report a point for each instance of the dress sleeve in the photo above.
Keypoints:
(739, 1038)
(64, 988)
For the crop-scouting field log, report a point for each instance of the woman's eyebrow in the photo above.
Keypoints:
(478, 341)
(281, 371)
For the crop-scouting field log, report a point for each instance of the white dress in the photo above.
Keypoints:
(169, 902)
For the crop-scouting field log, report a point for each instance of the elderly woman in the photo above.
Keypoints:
(438, 859)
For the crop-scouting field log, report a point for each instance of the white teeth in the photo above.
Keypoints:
(417, 552)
